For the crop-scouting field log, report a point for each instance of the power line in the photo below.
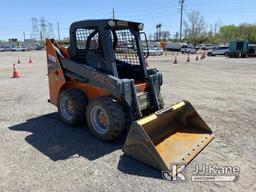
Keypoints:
(232, 2)
(160, 11)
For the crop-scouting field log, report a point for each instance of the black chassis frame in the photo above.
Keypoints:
(120, 88)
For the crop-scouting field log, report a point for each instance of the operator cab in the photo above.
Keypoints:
(122, 53)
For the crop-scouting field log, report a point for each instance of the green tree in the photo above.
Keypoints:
(242, 32)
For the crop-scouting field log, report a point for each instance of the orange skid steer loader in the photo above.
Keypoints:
(102, 79)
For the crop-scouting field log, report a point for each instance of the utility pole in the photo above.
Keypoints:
(113, 13)
(24, 36)
(58, 28)
(41, 37)
(181, 16)
(158, 32)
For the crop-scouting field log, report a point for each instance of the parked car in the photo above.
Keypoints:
(7, 48)
(219, 51)
(39, 47)
(188, 49)
(200, 46)
(153, 51)
(19, 48)
(209, 47)
(2, 49)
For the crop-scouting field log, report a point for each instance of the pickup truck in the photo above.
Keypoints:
(19, 48)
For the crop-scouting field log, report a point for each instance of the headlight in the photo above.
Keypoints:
(111, 23)
(141, 26)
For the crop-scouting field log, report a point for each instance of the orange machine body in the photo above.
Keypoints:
(58, 81)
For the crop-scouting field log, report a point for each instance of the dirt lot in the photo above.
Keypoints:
(39, 153)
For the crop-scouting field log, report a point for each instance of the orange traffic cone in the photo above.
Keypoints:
(19, 60)
(175, 59)
(16, 73)
(188, 59)
(197, 57)
(30, 60)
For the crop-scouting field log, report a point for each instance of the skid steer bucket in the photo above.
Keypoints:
(174, 135)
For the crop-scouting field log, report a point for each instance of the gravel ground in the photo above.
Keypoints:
(39, 153)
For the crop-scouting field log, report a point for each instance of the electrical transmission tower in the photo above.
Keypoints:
(181, 2)
(41, 31)
(35, 33)
(43, 27)
(50, 31)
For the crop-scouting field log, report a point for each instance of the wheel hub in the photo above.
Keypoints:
(70, 107)
(67, 109)
(103, 118)
(99, 119)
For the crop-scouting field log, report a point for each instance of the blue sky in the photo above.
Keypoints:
(15, 15)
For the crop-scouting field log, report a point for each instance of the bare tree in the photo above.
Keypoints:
(176, 36)
(165, 35)
(216, 28)
(186, 30)
(150, 37)
(194, 27)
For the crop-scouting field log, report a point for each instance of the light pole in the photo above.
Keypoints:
(181, 17)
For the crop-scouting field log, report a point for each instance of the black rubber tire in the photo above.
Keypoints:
(116, 115)
(79, 103)
(161, 101)
(210, 54)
